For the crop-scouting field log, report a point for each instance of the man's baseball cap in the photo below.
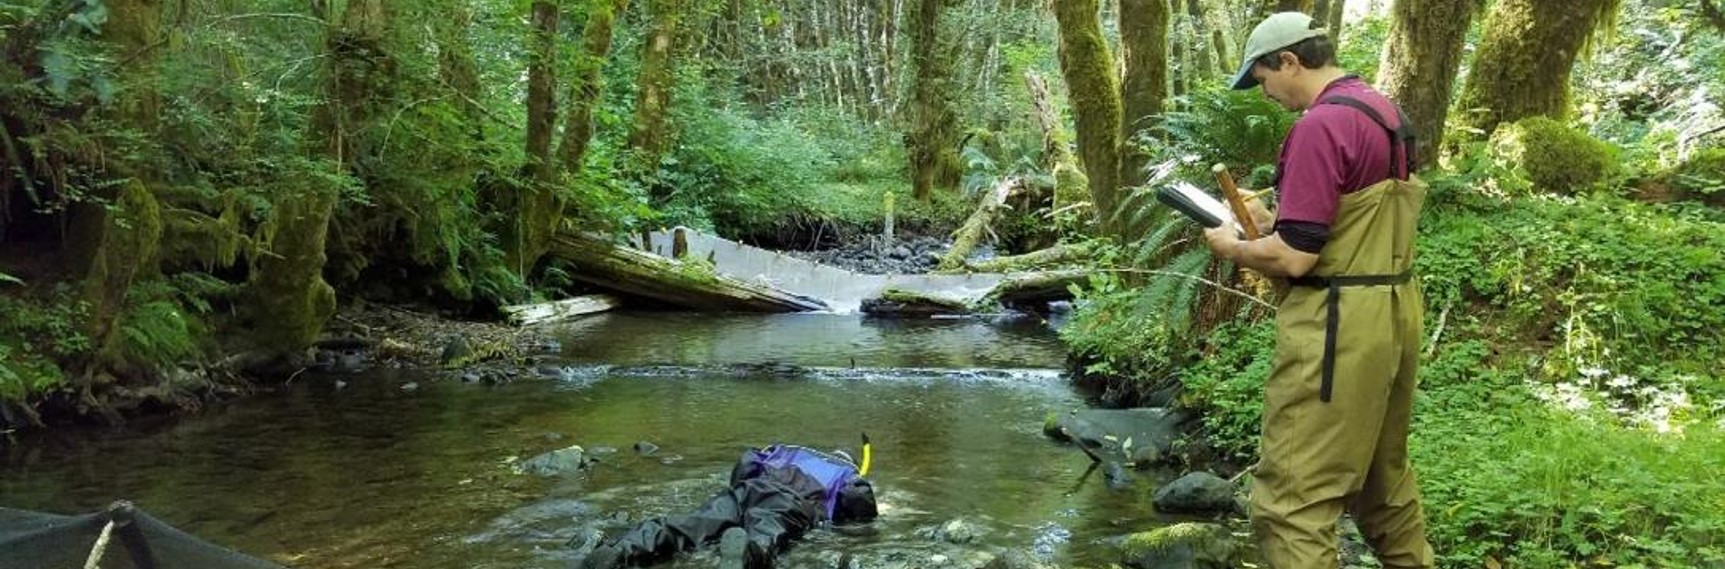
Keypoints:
(1276, 32)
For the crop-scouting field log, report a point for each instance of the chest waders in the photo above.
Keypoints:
(1338, 401)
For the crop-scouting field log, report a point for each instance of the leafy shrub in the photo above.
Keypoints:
(35, 336)
(1530, 487)
(1556, 158)
(1702, 177)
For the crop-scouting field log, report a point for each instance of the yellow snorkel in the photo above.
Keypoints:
(868, 456)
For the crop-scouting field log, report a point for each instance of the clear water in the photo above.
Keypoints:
(374, 475)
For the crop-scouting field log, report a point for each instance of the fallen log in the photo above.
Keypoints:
(968, 235)
(912, 304)
(689, 283)
(1030, 288)
(1033, 260)
(548, 312)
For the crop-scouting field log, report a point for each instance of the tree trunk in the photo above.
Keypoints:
(116, 246)
(933, 141)
(456, 66)
(1273, 6)
(648, 134)
(1525, 58)
(1144, 83)
(586, 86)
(288, 298)
(1333, 19)
(537, 211)
(1420, 60)
(1095, 97)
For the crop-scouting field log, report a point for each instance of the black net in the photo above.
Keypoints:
(34, 540)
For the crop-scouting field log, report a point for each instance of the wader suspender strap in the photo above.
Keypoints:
(1403, 137)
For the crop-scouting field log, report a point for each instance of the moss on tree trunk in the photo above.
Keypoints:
(1144, 84)
(648, 134)
(585, 86)
(288, 298)
(1526, 56)
(125, 250)
(1420, 62)
(933, 134)
(537, 210)
(1095, 97)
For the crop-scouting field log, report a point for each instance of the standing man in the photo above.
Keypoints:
(1338, 400)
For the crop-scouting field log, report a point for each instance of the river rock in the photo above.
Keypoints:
(1182, 546)
(1143, 436)
(958, 531)
(1012, 559)
(645, 448)
(555, 463)
(1196, 493)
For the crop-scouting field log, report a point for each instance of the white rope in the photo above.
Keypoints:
(95, 560)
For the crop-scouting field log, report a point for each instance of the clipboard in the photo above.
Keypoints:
(1196, 204)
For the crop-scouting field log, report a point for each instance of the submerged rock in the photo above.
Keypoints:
(1141, 437)
(555, 463)
(1196, 493)
(959, 531)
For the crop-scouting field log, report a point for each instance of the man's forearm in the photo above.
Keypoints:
(1271, 256)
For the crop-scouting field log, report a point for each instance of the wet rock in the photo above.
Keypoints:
(830, 559)
(1182, 546)
(900, 252)
(410, 386)
(1196, 493)
(470, 377)
(555, 463)
(958, 532)
(1140, 437)
(645, 448)
(1117, 476)
(1011, 559)
(670, 460)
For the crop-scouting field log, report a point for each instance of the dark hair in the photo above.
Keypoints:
(1314, 53)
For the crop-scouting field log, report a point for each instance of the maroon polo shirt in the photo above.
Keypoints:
(1333, 150)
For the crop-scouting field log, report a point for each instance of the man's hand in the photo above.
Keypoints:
(1261, 216)
(1222, 240)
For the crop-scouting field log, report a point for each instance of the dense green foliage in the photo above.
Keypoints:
(1572, 412)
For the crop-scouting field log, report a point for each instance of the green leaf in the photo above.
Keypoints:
(5, 278)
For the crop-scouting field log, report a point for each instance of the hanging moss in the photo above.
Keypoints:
(1556, 158)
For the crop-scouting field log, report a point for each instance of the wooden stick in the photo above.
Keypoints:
(1232, 193)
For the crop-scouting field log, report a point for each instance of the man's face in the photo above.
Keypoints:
(1278, 83)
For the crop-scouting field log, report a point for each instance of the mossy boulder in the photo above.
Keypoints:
(1183, 546)
(1555, 158)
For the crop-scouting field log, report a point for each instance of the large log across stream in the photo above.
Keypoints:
(686, 283)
